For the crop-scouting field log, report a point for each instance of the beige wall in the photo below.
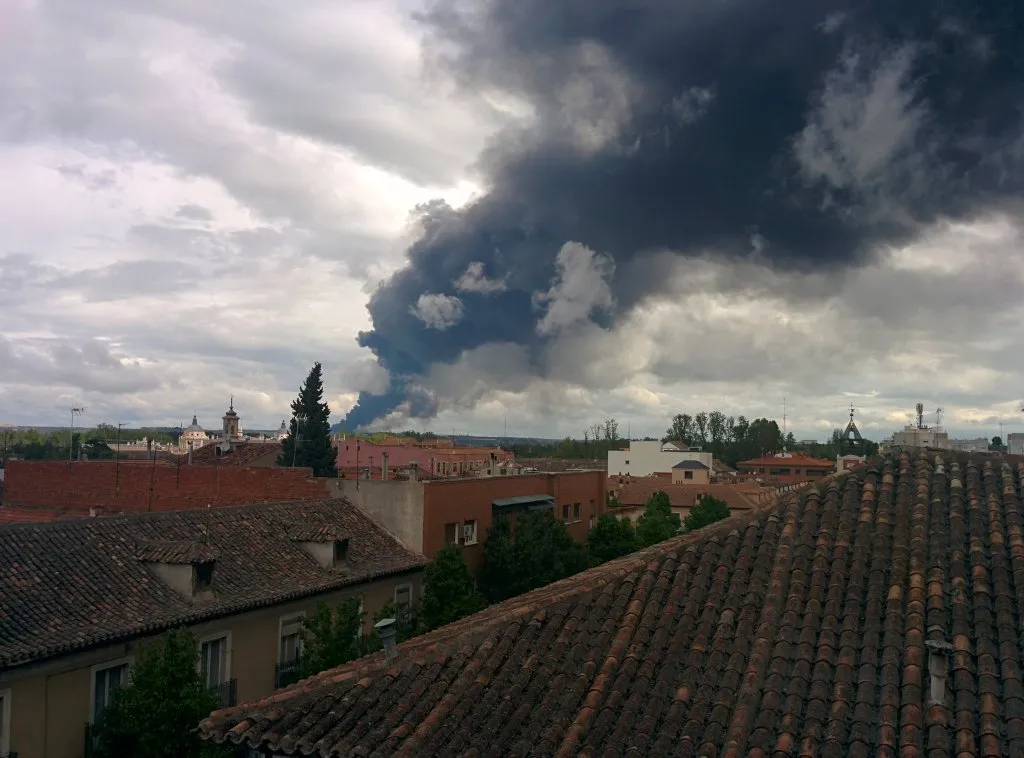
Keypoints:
(50, 701)
(397, 506)
(697, 476)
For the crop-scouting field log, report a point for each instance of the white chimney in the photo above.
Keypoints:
(387, 633)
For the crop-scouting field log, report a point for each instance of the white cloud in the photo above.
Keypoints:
(475, 280)
(579, 288)
(438, 311)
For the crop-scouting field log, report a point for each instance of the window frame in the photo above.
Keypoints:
(5, 721)
(577, 513)
(476, 531)
(403, 586)
(299, 617)
(226, 673)
(99, 667)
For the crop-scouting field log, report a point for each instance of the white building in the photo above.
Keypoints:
(978, 445)
(914, 436)
(646, 458)
(194, 436)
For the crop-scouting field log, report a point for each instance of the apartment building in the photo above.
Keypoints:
(426, 515)
(80, 596)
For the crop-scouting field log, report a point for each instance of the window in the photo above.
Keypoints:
(5, 722)
(214, 660)
(468, 535)
(204, 576)
(451, 534)
(590, 525)
(687, 475)
(565, 513)
(403, 595)
(290, 647)
(576, 512)
(107, 678)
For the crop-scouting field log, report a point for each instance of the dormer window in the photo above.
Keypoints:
(326, 543)
(186, 567)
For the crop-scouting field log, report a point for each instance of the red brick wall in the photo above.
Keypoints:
(458, 500)
(68, 487)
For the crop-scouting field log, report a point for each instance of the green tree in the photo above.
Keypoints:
(157, 714)
(708, 511)
(332, 636)
(542, 551)
(498, 570)
(658, 522)
(997, 443)
(449, 592)
(611, 538)
(309, 436)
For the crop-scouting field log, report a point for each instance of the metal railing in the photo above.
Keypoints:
(226, 693)
(286, 673)
(90, 741)
(11, 754)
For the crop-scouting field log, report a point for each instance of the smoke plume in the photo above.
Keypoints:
(803, 134)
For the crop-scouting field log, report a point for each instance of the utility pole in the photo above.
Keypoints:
(117, 464)
(71, 434)
(295, 442)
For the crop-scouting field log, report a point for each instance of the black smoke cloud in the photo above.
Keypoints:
(804, 134)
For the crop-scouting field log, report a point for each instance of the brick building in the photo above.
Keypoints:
(79, 597)
(787, 468)
(426, 515)
(434, 457)
(44, 490)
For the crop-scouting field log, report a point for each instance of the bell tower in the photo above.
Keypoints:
(231, 422)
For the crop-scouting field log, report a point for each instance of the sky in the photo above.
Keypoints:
(532, 216)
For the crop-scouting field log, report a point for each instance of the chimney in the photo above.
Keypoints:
(938, 669)
(386, 631)
(190, 452)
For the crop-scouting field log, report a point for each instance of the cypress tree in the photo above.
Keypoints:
(308, 442)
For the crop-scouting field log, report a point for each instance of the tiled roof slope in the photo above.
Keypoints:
(796, 630)
(69, 585)
(241, 454)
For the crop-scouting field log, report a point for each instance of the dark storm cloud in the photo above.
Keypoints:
(802, 135)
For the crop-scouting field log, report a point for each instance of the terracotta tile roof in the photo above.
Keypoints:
(242, 454)
(69, 585)
(792, 460)
(799, 629)
(175, 551)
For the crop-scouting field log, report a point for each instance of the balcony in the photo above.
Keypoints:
(226, 693)
(286, 673)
